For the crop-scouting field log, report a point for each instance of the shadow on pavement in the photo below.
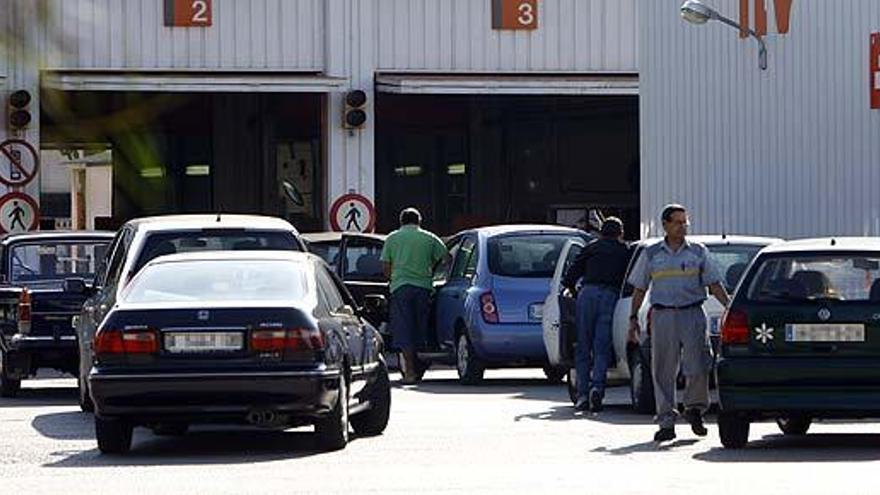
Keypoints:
(822, 447)
(69, 425)
(521, 388)
(198, 448)
(37, 397)
(644, 447)
(612, 414)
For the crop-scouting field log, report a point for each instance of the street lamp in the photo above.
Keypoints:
(697, 12)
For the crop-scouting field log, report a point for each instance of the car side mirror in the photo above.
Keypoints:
(376, 305)
(346, 310)
(75, 286)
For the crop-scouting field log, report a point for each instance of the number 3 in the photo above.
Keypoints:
(200, 11)
(526, 14)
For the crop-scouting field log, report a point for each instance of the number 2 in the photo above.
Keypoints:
(526, 14)
(200, 11)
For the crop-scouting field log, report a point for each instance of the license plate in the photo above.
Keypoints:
(204, 341)
(714, 324)
(825, 333)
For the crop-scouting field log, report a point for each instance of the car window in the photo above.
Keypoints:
(219, 280)
(628, 289)
(442, 272)
(328, 251)
(732, 261)
(117, 260)
(525, 256)
(573, 253)
(166, 243)
(328, 290)
(463, 256)
(363, 260)
(817, 277)
(55, 261)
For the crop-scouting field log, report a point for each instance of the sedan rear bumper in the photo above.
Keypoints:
(208, 397)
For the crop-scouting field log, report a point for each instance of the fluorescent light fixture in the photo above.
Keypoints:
(153, 173)
(198, 170)
(456, 169)
(408, 171)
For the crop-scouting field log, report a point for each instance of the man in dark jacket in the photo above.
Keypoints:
(600, 267)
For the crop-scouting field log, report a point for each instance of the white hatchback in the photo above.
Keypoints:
(632, 362)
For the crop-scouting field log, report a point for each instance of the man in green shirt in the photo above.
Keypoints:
(410, 256)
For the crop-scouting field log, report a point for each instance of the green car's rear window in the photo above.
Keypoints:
(810, 277)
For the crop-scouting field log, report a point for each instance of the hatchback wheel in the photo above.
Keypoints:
(114, 435)
(641, 385)
(794, 425)
(734, 430)
(9, 387)
(332, 431)
(374, 420)
(470, 369)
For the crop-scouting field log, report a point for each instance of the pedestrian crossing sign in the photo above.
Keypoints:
(18, 213)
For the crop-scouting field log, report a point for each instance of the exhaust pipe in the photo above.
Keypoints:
(262, 417)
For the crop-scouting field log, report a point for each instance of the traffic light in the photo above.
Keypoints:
(355, 116)
(18, 113)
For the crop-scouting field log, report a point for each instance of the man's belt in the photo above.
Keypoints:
(677, 308)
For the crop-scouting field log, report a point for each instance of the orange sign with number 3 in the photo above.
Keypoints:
(515, 14)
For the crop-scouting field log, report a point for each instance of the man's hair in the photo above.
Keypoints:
(410, 216)
(612, 228)
(670, 210)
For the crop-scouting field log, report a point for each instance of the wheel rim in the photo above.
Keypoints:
(462, 355)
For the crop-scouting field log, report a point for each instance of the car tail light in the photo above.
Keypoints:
(488, 308)
(141, 341)
(24, 312)
(293, 339)
(735, 327)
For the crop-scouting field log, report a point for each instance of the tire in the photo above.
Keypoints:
(85, 400)
(641, 385)
(794, 425)
(555, 375)
(571, 384)
(470, 369)
(374, 420)
(734, 430)
(171, 430)
(9, 387)
(332, 431)
(114, 435)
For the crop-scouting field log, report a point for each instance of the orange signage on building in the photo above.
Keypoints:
(515, 14)
(782, 8)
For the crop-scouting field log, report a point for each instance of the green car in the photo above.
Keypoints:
(801, 339)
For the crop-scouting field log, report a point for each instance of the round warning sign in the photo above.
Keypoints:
(18, 213)
(19, 162)
(352, 213)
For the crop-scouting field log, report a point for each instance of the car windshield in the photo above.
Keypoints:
(165, 243)
(810, 277)
(526, 256)
(732, 261)
(55, 261)
(219, 280)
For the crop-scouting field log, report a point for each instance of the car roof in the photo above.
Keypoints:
(59, 235)
(495, 230)
(213, 221)
(723, 240)
(827, 244)
(316, 237)
(258, 255)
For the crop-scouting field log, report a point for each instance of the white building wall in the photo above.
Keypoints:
(792, 151)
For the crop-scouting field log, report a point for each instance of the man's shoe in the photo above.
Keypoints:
(695, 418)
(664, 435)
(582, 404)
(595, 401)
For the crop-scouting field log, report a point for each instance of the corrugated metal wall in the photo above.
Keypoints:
(793, 151)
(456, 36)
(130, 34)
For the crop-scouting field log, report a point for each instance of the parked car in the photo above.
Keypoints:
(632, 363)
(801, 340)
(490, 298)
(270, 339)
(356, 259)
(142, 240)
(43, 276)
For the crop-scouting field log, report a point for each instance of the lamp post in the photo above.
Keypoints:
(698, 13)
